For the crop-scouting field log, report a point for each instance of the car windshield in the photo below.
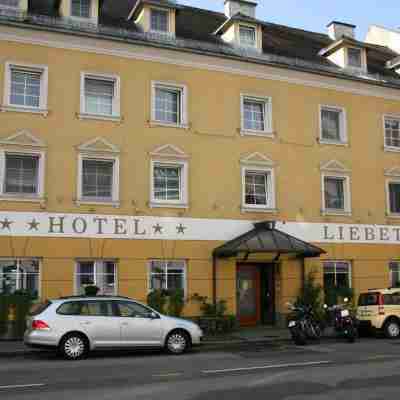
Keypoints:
(368, 299)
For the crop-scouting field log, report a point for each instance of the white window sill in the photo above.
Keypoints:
(22, 199)
(154, 204)
(167, 125)
(392, 149)
(248, 132)
(249, 209)
(332, 143)
(31, 110)
(338, 213)
(113, 118)
(95, 202)
(395, 216)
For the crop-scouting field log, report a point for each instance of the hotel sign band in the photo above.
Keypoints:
(171, 228)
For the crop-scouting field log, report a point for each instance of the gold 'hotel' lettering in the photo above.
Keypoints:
(353, 233)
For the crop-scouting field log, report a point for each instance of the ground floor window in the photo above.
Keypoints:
(99, 273)
(19, 275)
(337, 280)
(169, 275)
(394, 268)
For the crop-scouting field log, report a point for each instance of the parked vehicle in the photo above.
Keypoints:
(344, 323)
(303, 325)
(76, 325)
(379, 311)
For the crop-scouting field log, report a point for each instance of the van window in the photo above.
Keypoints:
(368, 299)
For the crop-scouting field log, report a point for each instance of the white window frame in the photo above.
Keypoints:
(182, 89)
(388, 210)
(167, 11)
(44, 84)
(350, 270)
(385, 147)
(116, 103)
(18, 260)
(184, 268)
(271, 190)
(96, 263)
(114, 201)
(342, 125)
(346, 193)
(267, 108)
(248, 26)
(39, 196)
(183, 202)
(363, 67)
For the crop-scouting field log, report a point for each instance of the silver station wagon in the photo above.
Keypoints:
(76, 325)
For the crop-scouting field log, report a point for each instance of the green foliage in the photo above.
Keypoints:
(91, 290)
(157, 300)
(311, 295)
(176, 302)
(210, 309)
(335, 295)
(168, 302)
(213, 326)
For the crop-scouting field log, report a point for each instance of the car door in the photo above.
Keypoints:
(137, 326)
(97, 320)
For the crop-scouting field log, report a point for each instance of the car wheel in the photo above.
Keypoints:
(392, 329)
(74, 347)
(177, 342)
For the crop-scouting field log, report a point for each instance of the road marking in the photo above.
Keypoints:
(168, 375)
(22, 386)
(305, 364)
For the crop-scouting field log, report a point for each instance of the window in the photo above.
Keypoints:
(23, 175)
(336, 194)
(333, 125)
(354, 57)
(392, 133)
(100, 96)
(394, 268)
(247, 36)
(80, 8)
(90, 308)
(26, 88)
(394, 197)
(98, 179)
(99, 273)
(337, 275)
(19, 275)
(159, 20)
(256, 115)
(169, 183)
(10, 3)
(169, 275)
(129, 309)
(258, 188)
(169, 104)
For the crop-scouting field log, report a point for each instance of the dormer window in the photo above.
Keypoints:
(80, 8)
(247, 36)
(159, 20)
(354, 57)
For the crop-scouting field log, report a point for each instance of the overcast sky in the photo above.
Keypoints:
(314, 15)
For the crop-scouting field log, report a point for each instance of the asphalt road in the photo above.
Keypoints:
(368, 370)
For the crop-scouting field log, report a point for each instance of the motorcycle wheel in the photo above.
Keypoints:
(351, 335)
(298, 336)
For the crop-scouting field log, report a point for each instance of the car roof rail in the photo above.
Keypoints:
(94, 297)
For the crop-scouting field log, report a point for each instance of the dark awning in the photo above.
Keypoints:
(264, 238)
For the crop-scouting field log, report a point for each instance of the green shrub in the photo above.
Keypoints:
(157, 300)
(91, 290)
(176, 302)
(168, 302)
(210, 309)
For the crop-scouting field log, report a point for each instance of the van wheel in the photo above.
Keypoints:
(177, 342)
(392, 329)
(74, 347)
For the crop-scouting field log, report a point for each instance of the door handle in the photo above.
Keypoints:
(124, 324)
(85, 323)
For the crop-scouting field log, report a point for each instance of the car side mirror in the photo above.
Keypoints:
(153, 315)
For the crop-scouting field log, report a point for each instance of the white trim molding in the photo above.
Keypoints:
(267, 114)
(387, 148)
(182, 90)
(43, 70)
(116, 101)
(342, 125)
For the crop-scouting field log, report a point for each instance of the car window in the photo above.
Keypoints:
(86, 308)
(38, 308)
(368, 299)
(131, 309)
(70, 308)
(396, 298)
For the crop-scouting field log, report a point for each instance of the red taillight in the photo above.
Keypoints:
(381, 303)
(39, 325)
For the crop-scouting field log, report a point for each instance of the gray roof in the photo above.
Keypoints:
(282, 45)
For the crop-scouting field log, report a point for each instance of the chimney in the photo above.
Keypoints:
(336, 30)
(245, 7)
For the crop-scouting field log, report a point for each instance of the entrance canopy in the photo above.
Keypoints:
(264, 238)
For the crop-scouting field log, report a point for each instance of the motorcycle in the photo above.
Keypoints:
(303, 325)
(344, 323)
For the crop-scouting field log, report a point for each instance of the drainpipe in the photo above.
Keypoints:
(214, 277)
(303, 273)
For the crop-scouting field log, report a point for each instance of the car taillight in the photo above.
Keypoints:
(38, 325)
(381, 308)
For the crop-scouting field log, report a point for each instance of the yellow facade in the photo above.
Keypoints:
(215, 147)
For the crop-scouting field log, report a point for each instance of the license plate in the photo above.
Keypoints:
(345, 313)
(292, 324)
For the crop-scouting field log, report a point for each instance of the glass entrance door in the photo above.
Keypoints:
(248, 294)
